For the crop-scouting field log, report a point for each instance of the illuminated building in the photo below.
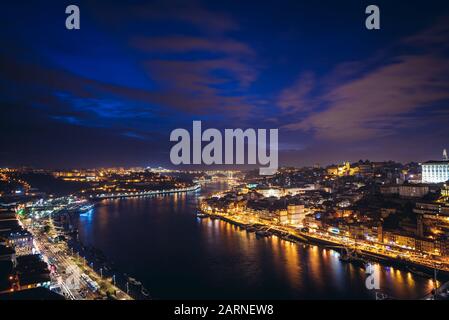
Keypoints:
(445, 191)
(406, 190)
(22, 241)
(413, 191)
(365, 169)
(279, 192)
(412, 242)
(32, 272)
(433, 218)
(271, 192)
(14, 235)
(296, 214)
(436, 171)
(344, 170)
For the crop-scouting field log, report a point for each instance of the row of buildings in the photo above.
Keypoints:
(433, 171)
(20, 267)
(385, 203)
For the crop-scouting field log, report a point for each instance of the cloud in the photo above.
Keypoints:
(134, 135)
(188, 12)
(215, 81)
(208, 86)
(296, 98)
(375, 99)
(104, 108)
(202, 70)
(199, 74)
(435, 37)
(68, 119)
(183, 44)
(376, 104)
(192, 87)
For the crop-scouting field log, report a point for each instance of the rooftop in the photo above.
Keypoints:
(10, 224)
(4, 250)
(6, 269)
(436, 162)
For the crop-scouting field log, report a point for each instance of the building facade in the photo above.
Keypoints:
(435, 171)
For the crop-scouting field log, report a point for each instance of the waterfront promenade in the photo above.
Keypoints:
(71, 271)
(370, 250)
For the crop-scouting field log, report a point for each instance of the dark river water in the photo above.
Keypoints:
(160, 242)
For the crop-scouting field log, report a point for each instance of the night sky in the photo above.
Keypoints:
(110, 93)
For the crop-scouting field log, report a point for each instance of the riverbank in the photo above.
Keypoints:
(66, 267)
(158, 241)
(304, 237)
(113, 283)
(102, 196)
(96, 260)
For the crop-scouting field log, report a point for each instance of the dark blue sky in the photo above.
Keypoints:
(110, 93)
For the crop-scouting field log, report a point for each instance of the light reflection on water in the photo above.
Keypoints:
(159, 241)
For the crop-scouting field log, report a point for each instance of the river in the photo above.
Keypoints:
(159, 241)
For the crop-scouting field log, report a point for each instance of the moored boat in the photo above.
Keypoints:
(262, 233)
(200, 214)
(250, 229)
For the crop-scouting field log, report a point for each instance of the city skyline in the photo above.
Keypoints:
(224, 158)
(110, 93)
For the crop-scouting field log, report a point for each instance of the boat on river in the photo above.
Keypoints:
(263, 233)
(352, 257)
(200, 214)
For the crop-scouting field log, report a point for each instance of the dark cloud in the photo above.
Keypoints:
(435, 37)
(297, 98)
(189, 12)
(184, 44)
(380, 102)
(110, 94)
